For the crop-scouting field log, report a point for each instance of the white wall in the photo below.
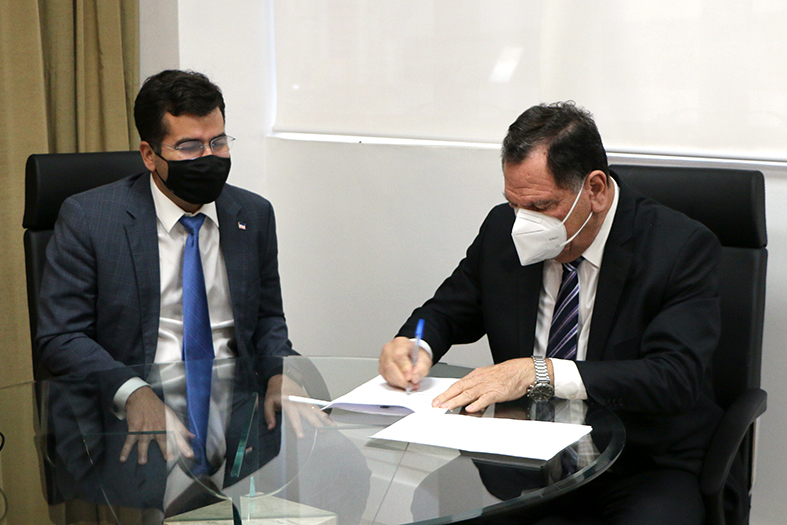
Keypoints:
(367, 231)
(372, 230)
(231, 43)
(769, 504)
(159, 39)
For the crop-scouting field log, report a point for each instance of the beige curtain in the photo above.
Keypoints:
(91, 67)
(68, 76)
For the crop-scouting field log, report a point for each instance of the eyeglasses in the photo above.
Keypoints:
(191, 149)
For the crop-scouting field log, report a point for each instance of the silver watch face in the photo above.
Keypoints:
(541, 392)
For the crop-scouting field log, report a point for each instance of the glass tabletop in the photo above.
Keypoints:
(268, 460)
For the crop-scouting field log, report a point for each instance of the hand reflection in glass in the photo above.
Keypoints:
(148, 419)
(277, 395)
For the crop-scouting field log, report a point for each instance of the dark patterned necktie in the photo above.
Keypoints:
(197, 342)
(565, 319)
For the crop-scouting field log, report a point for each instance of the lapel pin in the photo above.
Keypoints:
(241, 225)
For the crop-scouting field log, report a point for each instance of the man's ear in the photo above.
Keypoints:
(600, 191)
(148, 155)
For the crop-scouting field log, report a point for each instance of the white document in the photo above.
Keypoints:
(376, 396)
(511, 437)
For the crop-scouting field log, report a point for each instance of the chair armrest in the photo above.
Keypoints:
(727, 439)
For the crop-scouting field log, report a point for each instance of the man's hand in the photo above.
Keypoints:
(492, 384)
(396, 366)
(277, 399)
(149, 418)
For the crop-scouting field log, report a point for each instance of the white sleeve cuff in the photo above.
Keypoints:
(423, 344)
(123, 393)
(568, 381)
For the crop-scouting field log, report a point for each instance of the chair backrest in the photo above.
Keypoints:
(731, 203)
(49, 180)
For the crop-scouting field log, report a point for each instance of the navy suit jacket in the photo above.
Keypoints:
(99, 319)
(100, 292)
(655, 324)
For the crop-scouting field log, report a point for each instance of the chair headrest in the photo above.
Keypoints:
(730, 202)
(52, 178)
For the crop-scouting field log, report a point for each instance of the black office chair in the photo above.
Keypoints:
(49, 180)
(731, 203)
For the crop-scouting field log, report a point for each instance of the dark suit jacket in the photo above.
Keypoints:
(99, 320)
(655, 323)
(100, 293)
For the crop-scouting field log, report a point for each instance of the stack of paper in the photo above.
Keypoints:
(378, 397)
(511, 437)
(425, 425)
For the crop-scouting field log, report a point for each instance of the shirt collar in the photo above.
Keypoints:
(595, 251)
(169, 213)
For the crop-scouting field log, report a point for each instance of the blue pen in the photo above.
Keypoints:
(419, 334)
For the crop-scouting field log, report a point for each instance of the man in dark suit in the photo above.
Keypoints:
(638, 336)
(112, 294)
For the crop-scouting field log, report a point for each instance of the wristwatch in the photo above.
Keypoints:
(542, 389)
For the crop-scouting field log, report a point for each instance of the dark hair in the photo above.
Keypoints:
(175, 92)
(574, 146)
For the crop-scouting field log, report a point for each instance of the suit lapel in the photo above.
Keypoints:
(142, 237)
(235, 243)
(614, 272)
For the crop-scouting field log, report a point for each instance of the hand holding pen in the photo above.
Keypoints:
(403, 361)
(419, 334)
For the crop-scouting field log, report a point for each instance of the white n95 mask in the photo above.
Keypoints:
(538, 237)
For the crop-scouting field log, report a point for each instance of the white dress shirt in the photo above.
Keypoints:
(568, 382)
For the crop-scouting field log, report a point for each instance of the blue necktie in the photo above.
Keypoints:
(197, 342)
(565, 319)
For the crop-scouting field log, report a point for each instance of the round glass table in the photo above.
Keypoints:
(303, 463)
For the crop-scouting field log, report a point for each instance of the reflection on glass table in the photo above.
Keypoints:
(309, 466)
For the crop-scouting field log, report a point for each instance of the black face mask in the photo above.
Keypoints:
(197, 181)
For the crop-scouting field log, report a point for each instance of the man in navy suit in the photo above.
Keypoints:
(111, 295)
(645, 320)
